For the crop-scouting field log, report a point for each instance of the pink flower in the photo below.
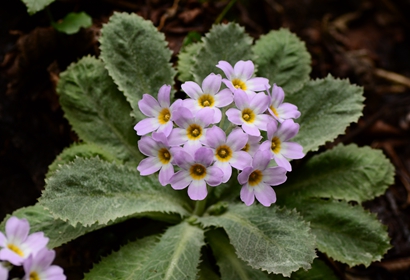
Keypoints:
(39, 267)
(160, 112)
(17, 245)
(257, 179)
(252, 145)
(279, 110)
(196, 172)
(207, 96)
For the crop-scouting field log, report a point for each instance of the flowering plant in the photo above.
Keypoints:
(250, 109)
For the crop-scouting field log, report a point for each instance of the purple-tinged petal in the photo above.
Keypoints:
(42, 260)
(149, 106)
(192, 146)
(174, 106)
(197, 190)
(226, 68)
(217, 115)
(271, 128)
(211, 84)
(259, 103)
(265, 146)
(35, 242)
(180, 180)
(3, 240)
(54, 272)
(291, 150)
(165, 174)
(192, 89)
(241, 99)
(215, 137)
(148, 146)
(282, 161)
(214, 176)
(261, 121)
(146, 126)
(287, 130)
(223, 98)
(204, 116)
(183, 117)
(240, 160)
(226, 169)
(257, 84)
(244, 69)
(177, 137)
(243, 177)
(164, 96)
(160, 137)
(251, 129)
(10, 256)
(247, 195)
(274, 176)
(191, 104)
(277, 96)
(229, 85)
(183, 159)
(253, 144)
(261, 159)
(204, 156)
(17, 229)
(234, 116)
(288, 111)
(166, 128)
(4, 272)
(237, 139)
(265, 195)
(149, 165)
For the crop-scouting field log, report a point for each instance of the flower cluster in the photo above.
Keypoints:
(194, 136)
(18, 248)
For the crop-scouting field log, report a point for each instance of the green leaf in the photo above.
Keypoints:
(91, 190)
(345, 172)
(227, 42)
(58, 231)
(97, 111)
(186, 59)
(319, 271)
(230, 266)
(344, 232)
(33, 6)
(327, 107)
(83, 150)
(126, 262)
(282, 58)
(271, 239)
(73, 22)
(136, 57)
(175, 256)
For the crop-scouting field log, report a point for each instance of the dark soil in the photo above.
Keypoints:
(365, 41)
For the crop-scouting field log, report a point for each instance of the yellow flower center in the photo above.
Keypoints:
(206, 100)
(197, 171)
(275, 145)
(164, 156)
(194, 131)
(255, 178)
(246, 148)
(238, 83)
(15, 249)
(164, 116)
(34, 276)
(274, 111)
(248, 115)
(223, 153)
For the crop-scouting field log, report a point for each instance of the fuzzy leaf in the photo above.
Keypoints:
(186, 59)
(83, 150)
(175, 256)
(345, 172)
(91, 190)
(327, 107)
(73, 22)
(97, 111)
(227, 42)
(34, 6)
(271, 239)
(230, 266)
(319, 271)
(344, 232)
(136, 57)
(282, 58)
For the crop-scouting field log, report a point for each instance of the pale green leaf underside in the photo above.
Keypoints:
(175, 256)
(91, 190)
(136, 57)
(97, 111)
(186, 59)
(83, 150)
(327, 107)
(230, 266)
(34, 6)
(73, 22)
(271, 239)
(345, 172)
(227, 42)
(319, 271)
(282, 58)
(344, 232)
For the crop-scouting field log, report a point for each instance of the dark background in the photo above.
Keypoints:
(367, 42)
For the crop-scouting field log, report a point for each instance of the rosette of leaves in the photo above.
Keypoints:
(95, 184)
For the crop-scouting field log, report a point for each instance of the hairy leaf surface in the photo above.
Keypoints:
(91, 190)
(96, 110)
(327, 107)
(345, 172)
(282, 58)
(186, 59)
(319, 271)
(271, 239)
(34, 6)
(227, 42)
(136, 57)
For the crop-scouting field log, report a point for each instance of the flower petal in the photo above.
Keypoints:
(149, 106)
(146, 126)
(183, 159)
(214, 176)
(149, 165)
(177, 137)
(240, 160)
(287, 130)
(192, 89)
(166, 128)
(282, 161)
(241, 99)
(223, 98)
(288, 111)
(274, 176)
(261, 159)
(204, 156)
(265, 195)
(237, 139)
(292, 150)
(180, 180)
(183, 117)
(234, 116)
(165, 174)
(149, 146)
(271, 128)
(259, 103)
(247, 195)
(164, 96)
(211, 84)
(226, 68)
(215, 137)
(205, 116)
(251, 129)
(197, 190)
(257, 84)
(244, 69)
(243, 177)
(17, 229)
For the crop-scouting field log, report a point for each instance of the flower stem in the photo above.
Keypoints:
(200, 206)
